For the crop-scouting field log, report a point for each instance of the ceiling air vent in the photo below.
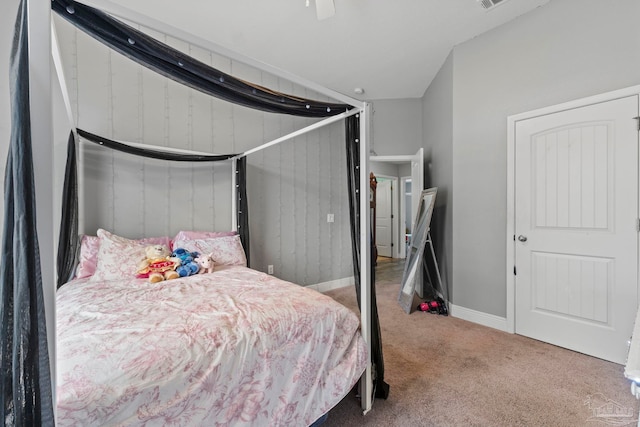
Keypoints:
(490, 4)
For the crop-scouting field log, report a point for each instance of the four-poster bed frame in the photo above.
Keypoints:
(362, 109)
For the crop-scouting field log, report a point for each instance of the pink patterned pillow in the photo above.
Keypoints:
(225, 250)
(193, 235)
(119, 257)
(89, 246)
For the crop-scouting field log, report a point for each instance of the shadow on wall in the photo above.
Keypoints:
(438, 227)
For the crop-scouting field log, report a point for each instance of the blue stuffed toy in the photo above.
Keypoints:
(187, 265)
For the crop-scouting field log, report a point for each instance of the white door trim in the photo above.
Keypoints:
(398, 159)
(403, 213)
(511, 137)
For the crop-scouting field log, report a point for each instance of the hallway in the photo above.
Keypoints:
(389, 270)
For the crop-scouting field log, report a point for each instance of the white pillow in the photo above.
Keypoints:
(118, 257)
(225, 250)
(90, 246)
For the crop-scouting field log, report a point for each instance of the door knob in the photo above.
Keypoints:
(522, 238)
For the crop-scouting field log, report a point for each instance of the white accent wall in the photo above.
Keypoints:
(291, 187)
(565, 50)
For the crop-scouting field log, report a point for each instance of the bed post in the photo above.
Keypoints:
(365, 256)
(234, 194)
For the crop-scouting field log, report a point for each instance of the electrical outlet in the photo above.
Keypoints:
(330, 218)
(270, 269)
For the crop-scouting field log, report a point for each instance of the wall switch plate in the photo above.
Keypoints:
(270, 269)
(330, 218)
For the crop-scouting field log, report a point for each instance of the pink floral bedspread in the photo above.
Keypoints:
(233, 348)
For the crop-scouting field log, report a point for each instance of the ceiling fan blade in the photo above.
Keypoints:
(325, 9)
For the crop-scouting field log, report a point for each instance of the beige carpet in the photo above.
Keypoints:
(445, 371)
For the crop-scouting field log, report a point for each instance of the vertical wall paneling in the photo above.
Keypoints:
(257, 179)
(338, 196)
(291, 186)
(301, 195)
(270, 197)
(153, 130)
(223, 142)
(92, 60)
(179, 178)
(201, 139)
(287, 194)
(314, 215)
(141, 138)
(324, 200)
(124, 107)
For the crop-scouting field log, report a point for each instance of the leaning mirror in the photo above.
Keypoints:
(412, 276)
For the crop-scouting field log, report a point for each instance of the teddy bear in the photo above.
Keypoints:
(187, 265)
(158, 265)
(206, 263)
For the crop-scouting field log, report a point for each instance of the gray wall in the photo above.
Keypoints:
(397, 126)
(290, 192)
(437, 128)
(384, 168)
(564, 50)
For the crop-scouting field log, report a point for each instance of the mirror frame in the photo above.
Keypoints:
(412, 275)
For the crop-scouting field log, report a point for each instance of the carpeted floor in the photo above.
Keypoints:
(445, 371)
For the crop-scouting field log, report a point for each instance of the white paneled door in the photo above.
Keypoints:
(384, 219)
(576, 227)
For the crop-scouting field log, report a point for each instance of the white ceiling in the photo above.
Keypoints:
(391, 48)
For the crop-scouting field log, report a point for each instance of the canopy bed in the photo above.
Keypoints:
(191, 395)
(230, 347)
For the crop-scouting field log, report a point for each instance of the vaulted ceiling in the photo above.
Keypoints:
(390, 48)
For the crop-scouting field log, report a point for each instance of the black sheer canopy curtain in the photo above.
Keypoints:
(69, 238)
(24, 358)
(352, 126)
(184, 69)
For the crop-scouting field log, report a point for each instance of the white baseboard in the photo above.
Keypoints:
(479, 317)
(333, 284)
(484, 319)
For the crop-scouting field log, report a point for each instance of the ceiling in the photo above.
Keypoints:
(391, 49)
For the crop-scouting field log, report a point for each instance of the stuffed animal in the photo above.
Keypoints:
(187, 265)
(158, 265)
(206, 263)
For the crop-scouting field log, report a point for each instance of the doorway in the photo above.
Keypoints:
(575, 225)
(414, 164)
